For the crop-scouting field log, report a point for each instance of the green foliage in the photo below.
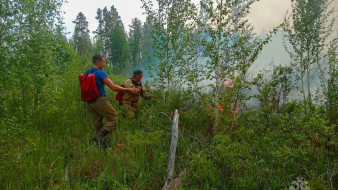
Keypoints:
(46, 135)
(332, 91)
(135, 42)
(171, 32)
(266, 153)
(147, 43)
(230, 46)
(273, 92)
(81, 38)
(111, 40)
(120, 51)
(307, 29)
(259, 149)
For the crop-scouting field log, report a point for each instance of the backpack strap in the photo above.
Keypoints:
(93, 70)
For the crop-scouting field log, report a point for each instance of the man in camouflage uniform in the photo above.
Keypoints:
(130, 100)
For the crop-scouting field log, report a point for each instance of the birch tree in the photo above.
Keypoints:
(26, 51)
(230, 46)
(307, 29)
(171, 25)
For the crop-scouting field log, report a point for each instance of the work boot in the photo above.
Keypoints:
(98, 137)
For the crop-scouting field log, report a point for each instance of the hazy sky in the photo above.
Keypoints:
(264, 15)
(267, 14)
(127, 10)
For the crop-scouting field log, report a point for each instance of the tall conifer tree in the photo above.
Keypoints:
(81, 36)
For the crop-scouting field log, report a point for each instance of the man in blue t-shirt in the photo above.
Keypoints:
(101, 107)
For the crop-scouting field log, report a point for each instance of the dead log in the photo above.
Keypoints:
(172, 152)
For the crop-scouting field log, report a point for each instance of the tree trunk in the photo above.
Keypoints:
(218, 75)
(302, 79)
(308, 77)
(322, 75)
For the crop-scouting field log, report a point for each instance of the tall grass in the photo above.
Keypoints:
(53, 148)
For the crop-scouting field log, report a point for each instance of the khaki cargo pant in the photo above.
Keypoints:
(130, 109)
(99, 109)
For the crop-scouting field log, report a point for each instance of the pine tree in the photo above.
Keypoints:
(107, 19)
(135, 42)
(147, 52)
(120, 50)
(81, 36)
(99, 37)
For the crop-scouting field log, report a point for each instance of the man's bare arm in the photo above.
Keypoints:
(115, 87)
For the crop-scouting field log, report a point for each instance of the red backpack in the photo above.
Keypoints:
(119, 95)
(89, 90)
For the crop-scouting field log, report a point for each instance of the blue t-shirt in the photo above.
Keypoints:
(99, 76)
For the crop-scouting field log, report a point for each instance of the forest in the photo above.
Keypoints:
(238, 129)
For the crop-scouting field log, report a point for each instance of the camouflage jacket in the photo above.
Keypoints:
(134, 98)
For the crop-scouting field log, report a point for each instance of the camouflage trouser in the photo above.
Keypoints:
(130, 109)
(99, 109)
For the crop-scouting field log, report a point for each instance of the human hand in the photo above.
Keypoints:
(134, 91)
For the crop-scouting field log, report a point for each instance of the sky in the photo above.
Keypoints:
(265, 14)
(127, 10)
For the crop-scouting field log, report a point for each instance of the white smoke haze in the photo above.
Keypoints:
(267, 14)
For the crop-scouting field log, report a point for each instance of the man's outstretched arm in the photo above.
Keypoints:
(115, 87)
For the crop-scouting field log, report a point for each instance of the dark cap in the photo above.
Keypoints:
(137, 72)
